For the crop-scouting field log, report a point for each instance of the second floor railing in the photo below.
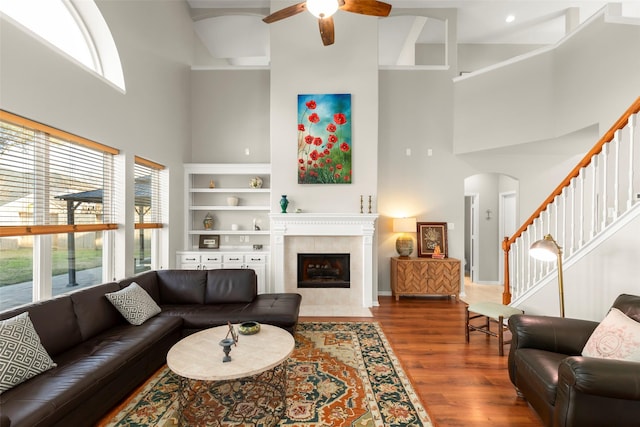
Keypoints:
(603, 185)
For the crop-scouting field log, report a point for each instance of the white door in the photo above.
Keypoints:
(471, 235)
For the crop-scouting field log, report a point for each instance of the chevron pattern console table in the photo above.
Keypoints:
(425, 276)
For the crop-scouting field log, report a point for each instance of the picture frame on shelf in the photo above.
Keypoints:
(432, 239)
(209, 241)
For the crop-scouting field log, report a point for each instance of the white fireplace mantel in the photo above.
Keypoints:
(324, 224)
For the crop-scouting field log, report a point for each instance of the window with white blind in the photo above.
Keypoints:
(148, 211)
(56, 203)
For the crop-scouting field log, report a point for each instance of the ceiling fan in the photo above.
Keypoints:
(324, 9)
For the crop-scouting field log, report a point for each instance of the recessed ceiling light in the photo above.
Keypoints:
(510, 18)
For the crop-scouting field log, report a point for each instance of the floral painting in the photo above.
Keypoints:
(324, 139)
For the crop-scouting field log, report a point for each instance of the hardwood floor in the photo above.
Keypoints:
(459, 384)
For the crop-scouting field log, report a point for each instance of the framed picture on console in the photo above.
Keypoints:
(432, 239)
(209, 241)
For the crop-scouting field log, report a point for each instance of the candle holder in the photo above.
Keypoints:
(226, 347)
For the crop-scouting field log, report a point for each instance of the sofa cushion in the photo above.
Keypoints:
(107, 367)
(231, 286)
(94, 311)
(537, 370)
(55, 322)
(134, 303)
(616, 337)
(181, 286)
(22, 356)
(147, 281)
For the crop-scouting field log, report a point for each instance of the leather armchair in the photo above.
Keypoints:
(564, 388)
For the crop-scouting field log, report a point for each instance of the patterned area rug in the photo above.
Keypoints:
(340, 374)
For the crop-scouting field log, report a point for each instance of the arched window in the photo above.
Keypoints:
(76, 28)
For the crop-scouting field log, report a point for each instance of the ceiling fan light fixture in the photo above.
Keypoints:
(322, 8)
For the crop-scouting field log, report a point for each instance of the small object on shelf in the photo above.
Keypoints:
(212, 184)
(234, 227)
(284, 203)
(257, 247)
(249, 328)
(256, 227)
(232, 201)
(369, 204)
(361, 207)
(207, 222)
(255, 182)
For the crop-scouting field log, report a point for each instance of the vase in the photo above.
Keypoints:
(284, 203)
(207, 222)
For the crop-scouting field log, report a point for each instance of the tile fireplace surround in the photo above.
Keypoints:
(324, 233)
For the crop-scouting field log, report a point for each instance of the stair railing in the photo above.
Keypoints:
(602, 187)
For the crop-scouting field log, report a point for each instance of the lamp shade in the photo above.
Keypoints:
(404, 225)
(545, 249)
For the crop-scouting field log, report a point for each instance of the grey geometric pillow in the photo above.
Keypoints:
(134, 303)
(22, 355)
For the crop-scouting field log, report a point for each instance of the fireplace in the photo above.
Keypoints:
(323, 271)
(329, 233)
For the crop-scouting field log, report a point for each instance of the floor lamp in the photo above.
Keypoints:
(547, 249)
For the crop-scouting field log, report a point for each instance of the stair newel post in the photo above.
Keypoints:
(506, 295)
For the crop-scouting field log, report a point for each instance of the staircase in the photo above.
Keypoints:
(597, 199)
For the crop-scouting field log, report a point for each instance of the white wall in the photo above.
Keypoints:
(151, 120)
(535, 99)
(230, 113)
(300, 64)
(593, 282)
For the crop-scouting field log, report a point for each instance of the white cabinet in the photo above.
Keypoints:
(198, 260)
(224, 191)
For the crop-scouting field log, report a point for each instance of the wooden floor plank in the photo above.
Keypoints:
(460, 384)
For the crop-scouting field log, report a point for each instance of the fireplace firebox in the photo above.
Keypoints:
(323, 271)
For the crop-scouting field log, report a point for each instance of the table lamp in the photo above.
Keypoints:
(547, 249)
(404, 243)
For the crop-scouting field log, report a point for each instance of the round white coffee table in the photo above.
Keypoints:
(251, 387)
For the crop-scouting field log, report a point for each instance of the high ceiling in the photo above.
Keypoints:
(535, 22)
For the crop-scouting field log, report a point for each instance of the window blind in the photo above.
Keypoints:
(148, 194)
(52, 181)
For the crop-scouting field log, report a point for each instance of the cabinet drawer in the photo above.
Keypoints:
(191, 258)
(211, 258)
(232, 259)
(258, 259)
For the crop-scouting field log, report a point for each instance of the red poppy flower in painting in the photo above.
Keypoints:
(340, 118)
(300, 127)
(308, 139)
(314, 118)
(344, 147)
(332, 138)
(331, 127)
(301, 161)
(311, 105)
(314, 155)
(317, 141)
(329, 145)
(327, 152)
(339, 166)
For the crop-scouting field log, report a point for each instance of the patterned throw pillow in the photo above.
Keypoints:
(22, 355)
(134, 303)
(617, 337)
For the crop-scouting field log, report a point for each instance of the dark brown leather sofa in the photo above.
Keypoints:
(564, 388)
(101, 358)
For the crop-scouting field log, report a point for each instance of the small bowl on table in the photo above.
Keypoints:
(249, 328)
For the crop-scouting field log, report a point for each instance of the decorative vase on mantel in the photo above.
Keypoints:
(207, 222)
(284, 203)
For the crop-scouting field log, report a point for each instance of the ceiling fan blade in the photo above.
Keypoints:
(326, 30)
(286, 12)
(367, 7)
